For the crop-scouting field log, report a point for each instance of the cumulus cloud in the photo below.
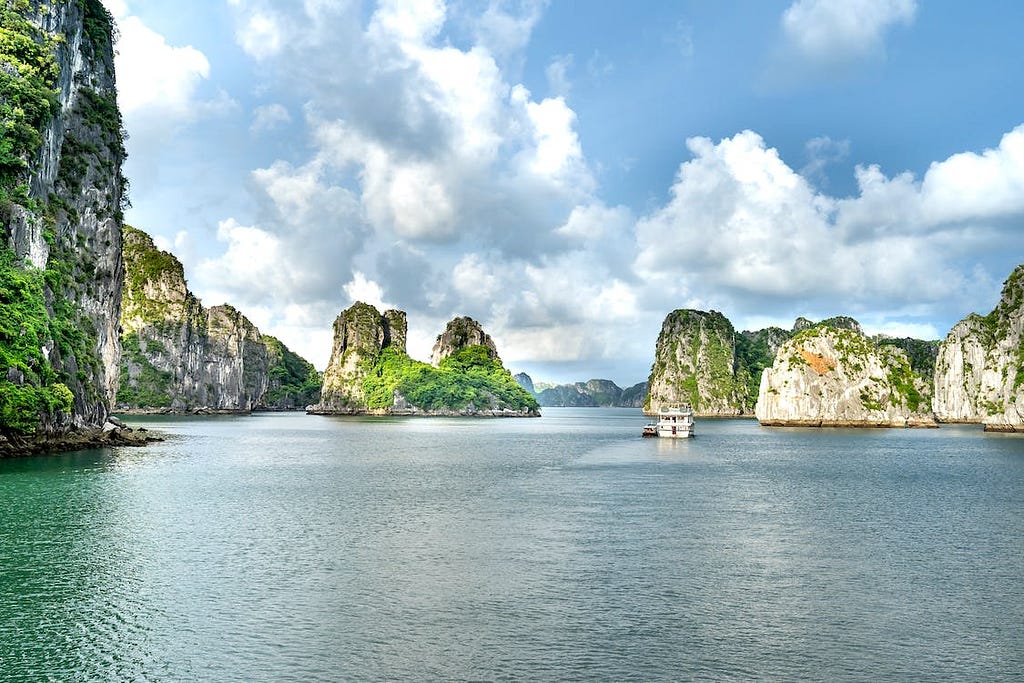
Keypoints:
(840, 31)
(744, 228)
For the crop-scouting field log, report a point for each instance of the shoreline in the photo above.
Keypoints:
(110, 436)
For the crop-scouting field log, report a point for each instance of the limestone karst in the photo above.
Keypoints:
(370, 372)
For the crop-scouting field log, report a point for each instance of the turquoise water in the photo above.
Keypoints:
(286, 547)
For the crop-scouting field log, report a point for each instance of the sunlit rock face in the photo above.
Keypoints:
(695, 364)
(460, 333)
(179, 355)
(835, 376)
(979, 373)
(361, 332)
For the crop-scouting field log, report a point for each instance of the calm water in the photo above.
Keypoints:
(296, 548)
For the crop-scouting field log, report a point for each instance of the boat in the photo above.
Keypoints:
(674, 422)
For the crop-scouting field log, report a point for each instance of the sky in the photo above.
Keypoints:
(568, 172)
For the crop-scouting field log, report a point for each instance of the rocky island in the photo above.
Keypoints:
(179, 356)
(61, 196)
(979, 373)
(370, 373)
(835, 376)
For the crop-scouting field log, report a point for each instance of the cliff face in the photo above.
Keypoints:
(829, 376)
(461, 333)
(695, 363)
(361, 333)
(62, 192)
(179, 355)
(370, 372)
(979, 372)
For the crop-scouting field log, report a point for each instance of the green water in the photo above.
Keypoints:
(297, 548)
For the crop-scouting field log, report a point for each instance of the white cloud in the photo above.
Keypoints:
(745, 230)
(261, 35)
(840, 31)
(361, 288)
(557, 74)
(267, 117)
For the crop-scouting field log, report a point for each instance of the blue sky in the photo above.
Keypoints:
(568, 172)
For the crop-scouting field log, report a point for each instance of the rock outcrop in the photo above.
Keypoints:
(370, 372)
(695, 364)
(979, 372)
(60, 243)
(361, 333)
(836, 377)
(178, 355)
(459, 334)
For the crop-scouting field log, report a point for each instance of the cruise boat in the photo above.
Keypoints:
(674, 422)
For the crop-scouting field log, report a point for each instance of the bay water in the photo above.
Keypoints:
(286, 547)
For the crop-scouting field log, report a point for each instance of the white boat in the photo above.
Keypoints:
(675, 422)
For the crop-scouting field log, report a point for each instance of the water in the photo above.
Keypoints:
(288, 547)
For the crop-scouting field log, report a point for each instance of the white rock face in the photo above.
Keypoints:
(179, 355)
(458, 334)
(828, 377)
(979, 374)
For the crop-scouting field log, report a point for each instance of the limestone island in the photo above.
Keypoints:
(370, 373)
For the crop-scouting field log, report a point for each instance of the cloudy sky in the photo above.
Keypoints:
(569, 171)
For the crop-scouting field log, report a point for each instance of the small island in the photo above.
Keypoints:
(370, 372)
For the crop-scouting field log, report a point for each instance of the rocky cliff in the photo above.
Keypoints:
(459, 334)
(370, 372)
(835, 376)
(361, 333)
(979, 372)
(61, 196)
(695, 363)
(179, 355)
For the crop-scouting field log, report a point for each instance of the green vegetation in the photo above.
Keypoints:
(468, 379)
(28, 97)
(294, 382)
(922, 354)
(29, 387)
(754, 353)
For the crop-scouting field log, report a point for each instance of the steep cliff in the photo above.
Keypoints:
(695, 363)
(979, 372)
(835, 376)
(361, 333)
(459, 334)
(61, 196)
(370, 372)
(179, 355)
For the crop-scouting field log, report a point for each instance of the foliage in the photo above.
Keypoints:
(293, 380)
(754, 353)
(922, 354)
(469, 378)
(25, 328)
(27, 90)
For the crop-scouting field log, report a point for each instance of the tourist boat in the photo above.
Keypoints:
(674, 422)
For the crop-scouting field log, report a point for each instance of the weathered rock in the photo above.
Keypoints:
(177, 354)
(360, 334)
(695, 363)
(69, 223)
(461, 333)
(836, 377)
(979, 373)
(370, 372)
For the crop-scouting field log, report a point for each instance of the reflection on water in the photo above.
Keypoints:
(289, 547)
